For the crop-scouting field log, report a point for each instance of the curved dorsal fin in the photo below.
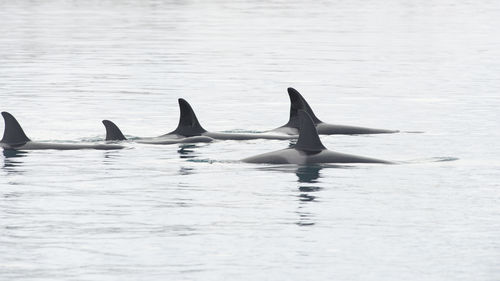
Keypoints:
(308, 136)
(295, 105)
(298, 102)
(13, 133)
(188, 123)
(113, 133)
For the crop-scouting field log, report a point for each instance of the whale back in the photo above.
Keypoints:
(188, 123)
(308, 136)
(13, 133)
(113, 133)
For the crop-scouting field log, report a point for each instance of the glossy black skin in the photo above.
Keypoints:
(113, 133)
(297, 156)
(297, 102)
(14, 138)
(189, 127)
(32, 145)
(309, 149)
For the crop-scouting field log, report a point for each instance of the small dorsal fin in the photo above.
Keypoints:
(188, 123)
(308, 136)
(298, 102)
(113, 133)
(13, 133)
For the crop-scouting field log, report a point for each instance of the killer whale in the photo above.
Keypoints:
(189, 126)
(309, 149)
(113, 133)
(14, 138)
(298, 102)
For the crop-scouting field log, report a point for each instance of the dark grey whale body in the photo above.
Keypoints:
(189, 127)
(297, 102)
(14, 138)
(113, 133)
(309, 149)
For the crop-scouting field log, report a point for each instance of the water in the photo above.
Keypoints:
(195, 213)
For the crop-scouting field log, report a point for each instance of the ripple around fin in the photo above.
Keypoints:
(238, 131)
(211, 161)
(432, 159)
(293, 167)
(96, 139)
(445, 159)
(197, 160)
(84, 139)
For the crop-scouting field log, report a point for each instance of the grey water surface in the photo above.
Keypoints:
(193, 212)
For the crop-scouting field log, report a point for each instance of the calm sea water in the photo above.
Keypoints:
(193, 212)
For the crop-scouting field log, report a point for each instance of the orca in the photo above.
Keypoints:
(14, 138)
(309, 149)
(298, 102)
(113, 133)
(190, 127)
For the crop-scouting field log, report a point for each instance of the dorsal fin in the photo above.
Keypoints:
(113, 133)
(298, 102)
(308, 136)
(13, 133)
(188, 123)
(295, 105)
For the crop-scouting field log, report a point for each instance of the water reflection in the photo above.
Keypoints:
(183, 171)
(186, 151)
(111, 156)
(306, 175)
(12, 160)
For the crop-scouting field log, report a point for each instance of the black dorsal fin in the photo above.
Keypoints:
(308, 136)
(298, 102)
(295, 105)
(13, 133)
(113, 133)
(188, 123)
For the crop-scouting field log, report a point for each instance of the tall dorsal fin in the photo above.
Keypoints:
(298, 102)
(113, 133)
(308, 136)
(188, 123)
(13, 133)
(295, 105)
